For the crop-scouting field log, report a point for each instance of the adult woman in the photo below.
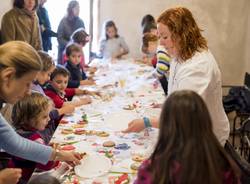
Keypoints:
(21, 23)
(18, 69)
(67, 26)
(193, 67)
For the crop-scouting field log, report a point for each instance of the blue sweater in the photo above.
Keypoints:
(18, 146)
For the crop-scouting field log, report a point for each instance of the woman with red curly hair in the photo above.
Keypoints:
(193, 67)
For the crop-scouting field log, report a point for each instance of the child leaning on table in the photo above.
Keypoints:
(112, 45)
(57, 89)
(77, 75)
(30, 116)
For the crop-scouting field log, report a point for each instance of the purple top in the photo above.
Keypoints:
(144, 175)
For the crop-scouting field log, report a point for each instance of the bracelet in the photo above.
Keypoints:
(147, 123)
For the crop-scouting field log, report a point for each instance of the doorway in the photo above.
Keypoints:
(57, 10)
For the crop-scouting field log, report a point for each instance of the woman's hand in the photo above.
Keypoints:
(136, 125)
(10, 175)
(69, 157)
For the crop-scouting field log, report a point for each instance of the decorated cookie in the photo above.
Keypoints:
(138, 158)
(82, 122)
(109, 144)
(64, 121)
(67, 131)
(78, 126)
(102, 134)
(123, 146)
(68, 148)
(135, 166)
(129, 107)
(79, 131)
(123, 179)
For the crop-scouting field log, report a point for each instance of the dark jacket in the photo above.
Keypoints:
(76, 75)
(47, 33)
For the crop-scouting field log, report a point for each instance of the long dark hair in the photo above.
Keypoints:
(109, 24)
(187, 150)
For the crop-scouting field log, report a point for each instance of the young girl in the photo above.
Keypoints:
(43, 77)
(112, 46)
(81, 37)
(57, 89)
(77, 75)
(31, 115)
(187, 150)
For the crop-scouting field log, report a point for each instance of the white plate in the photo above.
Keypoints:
(93, 166)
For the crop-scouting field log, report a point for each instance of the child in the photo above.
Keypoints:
(159, 58)
(57, 89)
(80, 37)
(55, 114)
(187, 150)
(31, 115)
(148, 24)
(112, 46)
(77, 75)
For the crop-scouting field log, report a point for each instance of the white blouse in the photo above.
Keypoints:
(202, 75)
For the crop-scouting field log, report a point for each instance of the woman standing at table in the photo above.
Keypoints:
(193, 67)
(18, 69)
(21, 23)
(67, 26)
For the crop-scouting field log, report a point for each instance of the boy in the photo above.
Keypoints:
(61, 95)
(77, 75)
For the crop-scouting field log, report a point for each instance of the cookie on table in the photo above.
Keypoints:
(67, 131)
(68, 148)
(79, 131)
(135, 166)
(102, 134)
(109, 144)
(63, 121)
(82, 122)
(78, 126)
(138, 158)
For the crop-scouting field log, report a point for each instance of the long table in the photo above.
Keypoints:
(128, 92)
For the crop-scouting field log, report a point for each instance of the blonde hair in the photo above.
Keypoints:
(29, 108)
(47, 60)
(185, 32)
(21, 56)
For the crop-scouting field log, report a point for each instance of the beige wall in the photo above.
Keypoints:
(225, 23)
(5, 6)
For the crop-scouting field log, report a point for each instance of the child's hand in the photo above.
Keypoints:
(87, 82)
(93, 93)
(10, 175)
(86, 100)
(92, 70)
(66, 109)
